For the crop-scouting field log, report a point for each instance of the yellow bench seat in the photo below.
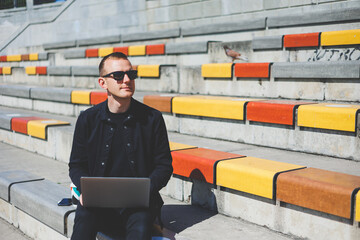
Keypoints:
(80, 97)
(139, 50)
(338, 38)
(37, 128)
(148, 70)
(211, 106)
(105, 51)
(216, 70)
(331, 116)
(252, 175)
(179, 146)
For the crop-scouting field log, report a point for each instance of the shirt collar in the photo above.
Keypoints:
(131, 113)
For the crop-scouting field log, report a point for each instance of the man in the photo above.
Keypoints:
(120, 137)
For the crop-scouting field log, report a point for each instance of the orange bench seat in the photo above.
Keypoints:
(321, 190)
(97, 97)
(159, 102)
(19, 124)
(124, 50)
(199, 163)
(92, 52)
(302, 40)
(252, 70)
(273, 111)
(158, 49)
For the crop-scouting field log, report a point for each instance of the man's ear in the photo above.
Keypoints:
(102, 83)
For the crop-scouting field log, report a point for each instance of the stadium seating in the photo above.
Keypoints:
(329, 116)
(179, 146)
(199, 163)
(217, 70)
(210, 106)
(24, 57)
(321, 190)
(273, 111)
(302, 40)
(162, 103)
(284, 97)
(340, 38)
(252, 70)
(252, 175)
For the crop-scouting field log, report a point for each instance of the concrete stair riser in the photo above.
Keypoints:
(315, 141)
(296, 221)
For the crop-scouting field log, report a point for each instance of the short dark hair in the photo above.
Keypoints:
(114, 55)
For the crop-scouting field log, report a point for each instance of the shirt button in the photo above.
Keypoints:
(102, 164)
(108, 119)
(111, 129)
(132, 162)
(128, 144)
(107, 145)
(125, 127)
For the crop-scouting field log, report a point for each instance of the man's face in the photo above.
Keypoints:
(121, 89)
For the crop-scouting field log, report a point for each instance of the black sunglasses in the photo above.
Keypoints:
(119, 75)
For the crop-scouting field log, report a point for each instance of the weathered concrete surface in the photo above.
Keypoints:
(224, 201)
(43, 56)
(39, 199)
(9, 178)
(74, 53)
(85, 71)
(99, 40)
(15, 91)
(250, 24)
(168, 33)
(312, 141)
(186, 48)
(64, 44)
(328, 70)
(267, 43)
(182, 221)
(59, 71)
(9, 232)
(167, 82)
(314, 17)
(51, 94)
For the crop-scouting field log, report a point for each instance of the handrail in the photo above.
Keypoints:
(21, 29)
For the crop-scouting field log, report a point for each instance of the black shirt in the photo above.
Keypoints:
(118, 163)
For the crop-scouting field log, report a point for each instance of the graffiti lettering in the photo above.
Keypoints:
(347, 54)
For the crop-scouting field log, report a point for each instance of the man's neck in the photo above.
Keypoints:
(118, 105)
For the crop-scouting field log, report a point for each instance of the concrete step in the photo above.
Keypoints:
(182, 221)
(291, 137)
(258, 210)
(9, 232)
(295, 157)
(321, 80)
(208, 52)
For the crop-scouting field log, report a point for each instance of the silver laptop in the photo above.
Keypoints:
(115, 192)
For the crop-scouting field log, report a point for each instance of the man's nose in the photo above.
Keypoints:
(126, 78)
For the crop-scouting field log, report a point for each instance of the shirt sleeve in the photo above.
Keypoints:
(78, 164)
(162, 157)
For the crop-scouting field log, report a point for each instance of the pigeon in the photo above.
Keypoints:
(234, 55)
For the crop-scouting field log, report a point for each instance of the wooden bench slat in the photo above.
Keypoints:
(317, 189)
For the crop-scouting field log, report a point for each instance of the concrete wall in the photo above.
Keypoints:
(92, 18)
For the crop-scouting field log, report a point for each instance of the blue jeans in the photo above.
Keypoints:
(127, 223)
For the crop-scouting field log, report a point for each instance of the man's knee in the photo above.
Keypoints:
(85, 214)
(86, 224)
(139, 224)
